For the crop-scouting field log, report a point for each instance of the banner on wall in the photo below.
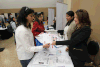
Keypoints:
(6, 15)
(61, 10)
(50, 16)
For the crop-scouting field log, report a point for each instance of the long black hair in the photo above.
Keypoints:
(24, 12)
(38, 15)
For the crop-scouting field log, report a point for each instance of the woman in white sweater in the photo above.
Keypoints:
(24, 37)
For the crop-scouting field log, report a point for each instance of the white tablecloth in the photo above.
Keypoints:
(51, 31)
(57, 52)
(3, 28)
(64, 55)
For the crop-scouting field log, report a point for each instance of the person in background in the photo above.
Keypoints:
(5, 19)
(78, 42)
(9, 17)
(24, 38)
(54, 26)
(10, 30)
(38, 26)
(2, 22)
(70, 25)
(13, 24)
(35, 16)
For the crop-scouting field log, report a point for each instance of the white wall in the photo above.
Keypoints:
(10, 4)
(50, 16)
(68, 2)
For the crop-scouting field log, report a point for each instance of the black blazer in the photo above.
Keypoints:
(78, 44)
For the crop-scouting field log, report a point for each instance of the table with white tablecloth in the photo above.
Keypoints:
(54, 56)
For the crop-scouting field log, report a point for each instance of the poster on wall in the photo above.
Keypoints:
(64, 15)
(50, 16)
(61, 10)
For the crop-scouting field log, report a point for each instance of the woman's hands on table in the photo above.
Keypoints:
(53, 43)
(41, 32)
(67, 49)
(46, 45)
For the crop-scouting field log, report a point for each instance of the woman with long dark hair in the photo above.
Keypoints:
(78, 42)
(38, 26)
(24, 38)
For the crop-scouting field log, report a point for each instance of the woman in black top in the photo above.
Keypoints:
(78, 42)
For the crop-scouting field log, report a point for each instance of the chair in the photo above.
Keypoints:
(93, 49)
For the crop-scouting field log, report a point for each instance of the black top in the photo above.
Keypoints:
(78, 43)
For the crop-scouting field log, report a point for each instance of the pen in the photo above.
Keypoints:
(55, 46)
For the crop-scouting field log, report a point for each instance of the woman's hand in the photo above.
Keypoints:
(37, 36)
(53, 43)
(46, 45)
(67, 49)
(41, 32)
(0, 21)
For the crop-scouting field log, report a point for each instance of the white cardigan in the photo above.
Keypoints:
(25, 43)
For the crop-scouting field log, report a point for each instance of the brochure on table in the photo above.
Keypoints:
(54, 55)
